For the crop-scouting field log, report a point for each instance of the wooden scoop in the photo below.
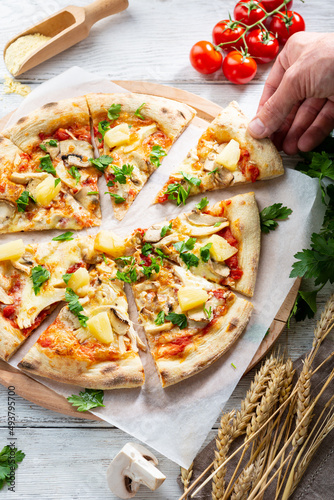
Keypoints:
(66, 28)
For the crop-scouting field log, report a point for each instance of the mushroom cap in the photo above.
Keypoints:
(7, 212)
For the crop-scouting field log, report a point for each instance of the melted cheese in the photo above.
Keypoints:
(22, 48)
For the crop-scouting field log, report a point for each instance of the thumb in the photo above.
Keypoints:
(275, 110)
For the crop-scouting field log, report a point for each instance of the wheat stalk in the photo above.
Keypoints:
(243, 484)
(303, 402)
(223, 442)
(321, 329)
(186, 475)
(287, 381)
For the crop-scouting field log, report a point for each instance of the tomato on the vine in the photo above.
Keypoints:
(239, 68)
(249, 11)
(228, 32)
(285, 26)
(205, 58)
(271, 5)
(262, 45)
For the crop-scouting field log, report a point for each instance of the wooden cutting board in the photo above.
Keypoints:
(41, 395)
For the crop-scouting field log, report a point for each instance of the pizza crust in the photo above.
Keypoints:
(10, 339)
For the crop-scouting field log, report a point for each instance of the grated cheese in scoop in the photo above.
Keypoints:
(19, 50)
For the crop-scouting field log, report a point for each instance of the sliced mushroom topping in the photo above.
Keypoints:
(4, 298)
(140, 162)
(76, 153)
(25, 177)
(209, 163)
(218, 268)
(166, 241)
(26, 268)
(52, 150)
(87, 200)
(197, 324)
(190, 229)
(198, 314)
(7, 212)
(66, 178)
(223, 178)
(197, 218)
(150, 328)
(118, 322)
(153, 233)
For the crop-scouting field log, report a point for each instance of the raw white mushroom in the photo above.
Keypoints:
(132, 466)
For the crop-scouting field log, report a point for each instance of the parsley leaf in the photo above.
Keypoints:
(92, 192)
(137, 112)
(213, 171)
(91, 398)
(45, 164)
(43, 147)
(103, 127)
(269, 216)
(39, 275)
(122, 173)
(202, 204)
(189, 259)
(165, 229)
(118, 199)
(160, 319)
(75, 307)
(156, 153)
(177, 192)
(179, 320)
(191, 179)
(129, 274)
(205, 252)
(147, 249)
(208, 312)
(102, 162)
(184, 246)
(52, 142)
(23, 201)
(9, 460)
(317, 165)
(74, 172)
(153, 268)
(114, 111)
(160, 253)
(57, 181)
(64, 237)
(66, 277)
(217, 224)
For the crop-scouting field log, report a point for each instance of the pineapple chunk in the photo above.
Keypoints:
(110, 243)
(146, 131)
(79, 279)
(191, 297)
(230, 156)
(117, 135)
(221, 249)
(12, 250)
(99, 326)
(129, 148)
(46, 191)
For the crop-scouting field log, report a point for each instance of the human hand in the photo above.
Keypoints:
(297, 105)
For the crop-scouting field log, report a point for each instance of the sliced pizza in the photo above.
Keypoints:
(56, 176)
(188, 321)
(225, 155)
(220, 244)
(133, 133)
(92, 342)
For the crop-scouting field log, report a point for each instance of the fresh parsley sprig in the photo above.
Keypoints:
(64, 237)
(88, 399)
(74, 172)
(178, 192)
(114, 111)
(39, 276)
(9, 460)
(121, 173)
(45, 164)
(270, 215)
(202, 204)
(179, 320)
(103, 127)
(137, 112)
(23, 201)
(157, 153)
(118, 199)
(102, 162)
(75, 307)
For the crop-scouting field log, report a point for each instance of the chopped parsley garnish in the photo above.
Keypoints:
(118, 199)
(217, 224)
(160, 253)
(103, 127)
(188, 258)
(137, 112)
(64, 237)
(114, 111)
(57, 181)
(179, 320)
(205, 252)
(75, 307)
(147, 249)
(105, 259)
(45, 164)
(129, 274)
(52, 142)
(213, 171)
(9, 458)
(39, 275)
(23, 201)
(126, 260)
(122, 173)
(102, 162)
(269, 216)
(42, 146)
(156, 153)
(74, 172)
(66, 277)
(177, 192)
(233, 366)
(160, 319)
(91, 398)
(202, 204)
(92, 192)
(195, 181)
(152, 268)
(208, 312)
(165, 229)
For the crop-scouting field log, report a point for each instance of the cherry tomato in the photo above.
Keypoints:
(250, 13)
(262, 45)
(205, 58)
(284, 28)
(271, 5)
(238, 68)
(227, 32)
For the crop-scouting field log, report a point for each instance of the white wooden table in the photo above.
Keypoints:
(67, 458)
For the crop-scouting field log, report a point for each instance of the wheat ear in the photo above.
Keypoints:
(222, 444)
(321, 329)
(303, 402)
(186, 475)
(243, 484)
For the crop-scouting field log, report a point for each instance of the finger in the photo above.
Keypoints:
(307, 113)
(279, 136)
(275, 111)
(274, 79)
(320, 128)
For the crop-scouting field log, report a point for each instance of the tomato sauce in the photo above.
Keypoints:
(250, 171)
(233, 263)
(177, 346)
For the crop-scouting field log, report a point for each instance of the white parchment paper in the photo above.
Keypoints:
(176, 420)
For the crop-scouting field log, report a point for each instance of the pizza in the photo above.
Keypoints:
(225, 155)
(92, 342)
(189, 322)
(220, 244)
(47, 179)
(133, 132)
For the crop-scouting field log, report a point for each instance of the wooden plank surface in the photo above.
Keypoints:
(67, 456)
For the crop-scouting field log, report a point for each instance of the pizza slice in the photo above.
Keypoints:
(219, 243)
(133, 133)
(225, 155)
(188, 321)
(56, 177)
(92, 342)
